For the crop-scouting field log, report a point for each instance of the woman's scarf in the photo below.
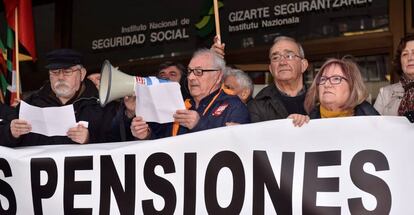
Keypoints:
(407, 102)
(325, 113)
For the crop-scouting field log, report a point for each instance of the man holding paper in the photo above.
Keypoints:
(210, 106)
(155, 99)
(67, 86)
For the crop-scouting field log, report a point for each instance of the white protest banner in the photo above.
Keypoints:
(353, 165)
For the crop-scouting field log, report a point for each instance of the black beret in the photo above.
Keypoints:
(63, 58)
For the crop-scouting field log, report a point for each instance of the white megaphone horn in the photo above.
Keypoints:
(114, 84)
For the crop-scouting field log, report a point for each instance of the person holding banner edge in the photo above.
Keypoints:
(67, 85)
(211, 105)
(338, 90)
(285, 96)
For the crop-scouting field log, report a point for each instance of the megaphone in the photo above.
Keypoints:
(114, 84)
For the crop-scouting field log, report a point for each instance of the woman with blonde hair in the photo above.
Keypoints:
(338, 91)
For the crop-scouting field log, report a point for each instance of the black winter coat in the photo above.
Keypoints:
(268, 105)
(363, 109)
(86, 106)
(7, 114)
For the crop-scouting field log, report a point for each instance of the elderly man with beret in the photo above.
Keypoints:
(67, 85)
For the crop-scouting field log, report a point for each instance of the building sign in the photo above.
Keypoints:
(125, 31)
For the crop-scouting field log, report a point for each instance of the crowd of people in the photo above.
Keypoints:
(214, 95)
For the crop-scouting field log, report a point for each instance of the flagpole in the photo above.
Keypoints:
(217, 18)
(1, 97)
(16, 44)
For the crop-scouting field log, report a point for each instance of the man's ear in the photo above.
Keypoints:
(83, 73)
(220, 78)
(270, 70)
(305, 65)
(245, 94)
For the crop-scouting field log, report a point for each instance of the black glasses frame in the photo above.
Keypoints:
(65, 72)
(199, 71)
(289, 56)
(334, 80)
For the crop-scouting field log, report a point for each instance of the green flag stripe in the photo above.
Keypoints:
(10, 38)
(3, 83)
(10, 45)
(2, 47)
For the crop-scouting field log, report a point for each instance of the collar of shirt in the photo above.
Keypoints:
(301, 92)
(203, 103)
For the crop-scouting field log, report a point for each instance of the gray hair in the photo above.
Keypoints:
(242, 78)
(280, 38)
(218, 62)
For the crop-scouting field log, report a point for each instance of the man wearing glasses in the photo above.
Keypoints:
(209, 107)
(283, 98)
(67, 86)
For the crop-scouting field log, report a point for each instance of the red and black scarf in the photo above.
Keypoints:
(407, 102)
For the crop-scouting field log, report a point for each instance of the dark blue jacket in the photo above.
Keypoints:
(225, 108)
(86, 107)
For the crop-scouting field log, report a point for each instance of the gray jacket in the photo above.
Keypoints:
(389, 99)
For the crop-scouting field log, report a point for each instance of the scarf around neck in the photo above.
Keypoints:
(407, 102)
(325, 113)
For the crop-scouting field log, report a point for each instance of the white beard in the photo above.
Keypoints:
(62, 89)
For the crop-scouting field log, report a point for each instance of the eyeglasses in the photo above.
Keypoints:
(334, 80)
(199, 72)
(288, 56)
(65, 72)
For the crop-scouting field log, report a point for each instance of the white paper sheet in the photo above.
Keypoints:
(49, 121)
(159, 101)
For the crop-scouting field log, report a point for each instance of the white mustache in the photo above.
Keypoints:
(60, 84)
(192, 82)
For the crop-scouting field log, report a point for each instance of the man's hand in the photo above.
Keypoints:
(299, 119)
(140, 128)
(218, 47)
(232, 123)
(129, 102)
(187, 118)
(19, 127)
(15, 102)
(79, 134)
